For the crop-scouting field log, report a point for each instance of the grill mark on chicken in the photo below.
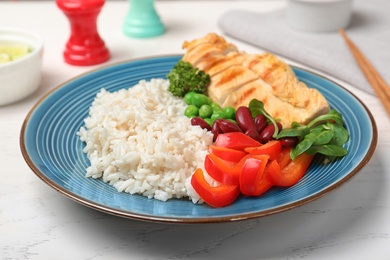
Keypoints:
(231, 74)
(231, 59)
(209, 61)
(206, 50)
(267, 67)
(244, 95)
(267, 74)
(229, 81)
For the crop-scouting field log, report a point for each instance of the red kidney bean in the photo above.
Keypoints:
(260, 122)
(227, 126)
(268, 131)
(289, 141)
(266, 134)
(200, 122)
(244, 118)
(216, 129)
(253, 134)
(280, 127)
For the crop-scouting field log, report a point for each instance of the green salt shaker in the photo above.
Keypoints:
(142, 20)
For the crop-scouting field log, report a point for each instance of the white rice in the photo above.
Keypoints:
(139, 141)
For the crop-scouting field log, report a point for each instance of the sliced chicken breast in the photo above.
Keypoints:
(238, 77)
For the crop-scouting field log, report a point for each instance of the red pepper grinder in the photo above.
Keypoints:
(84, 47)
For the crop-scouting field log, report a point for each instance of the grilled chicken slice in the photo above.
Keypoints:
(275, 72)
(286, 86)
(206, 48)
(238, 77)
(228, 81)
(212, 38)
(231, 59)
(210, 60)
(276, 107)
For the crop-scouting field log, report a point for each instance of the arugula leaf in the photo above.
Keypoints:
(301, 147)
(328, 149)
(296, 130)
(341, 134)
(333, 115)
(322, 137)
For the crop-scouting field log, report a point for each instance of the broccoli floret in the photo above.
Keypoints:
(184, 78)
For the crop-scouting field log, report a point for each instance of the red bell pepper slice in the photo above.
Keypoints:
(293, 172)
(284, 157)
(235, 140)
(222, 171)
(253, 181)
(272, 148)
(218, 196)
(227, 154)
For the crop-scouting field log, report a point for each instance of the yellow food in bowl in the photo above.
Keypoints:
(20, 67)
(10, 52)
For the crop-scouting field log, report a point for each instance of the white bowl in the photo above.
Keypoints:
(319, 15)
(21, 77)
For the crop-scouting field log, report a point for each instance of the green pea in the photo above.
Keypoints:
(205, 111)
(230, 112)
(217, 115)
(199, 99)
(191, 111)
(215, 106)
(188, 97)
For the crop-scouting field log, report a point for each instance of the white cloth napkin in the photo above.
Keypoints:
(325, 52)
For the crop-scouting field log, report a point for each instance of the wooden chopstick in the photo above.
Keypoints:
(376, 81)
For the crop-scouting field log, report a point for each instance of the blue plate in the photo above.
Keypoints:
(53, 151)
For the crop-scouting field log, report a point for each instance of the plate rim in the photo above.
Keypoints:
(209, 219)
